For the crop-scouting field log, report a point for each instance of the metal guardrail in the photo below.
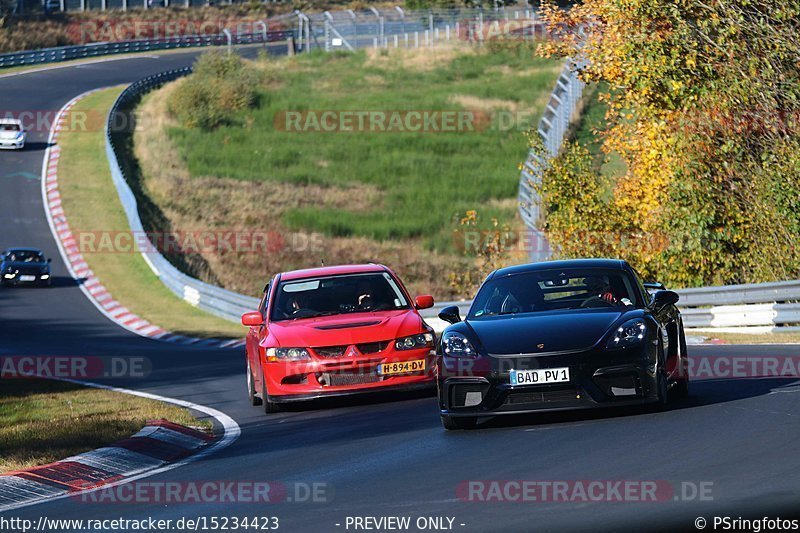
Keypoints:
(772, 304)
(68, 53)
(223, 303)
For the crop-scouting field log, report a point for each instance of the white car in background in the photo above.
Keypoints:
(12, 134)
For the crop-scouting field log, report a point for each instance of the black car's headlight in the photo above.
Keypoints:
(423, 340)
(457, 345)
(630, 333)
(287, 354)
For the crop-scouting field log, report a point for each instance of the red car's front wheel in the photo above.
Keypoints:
(269, 405)
(251, 387)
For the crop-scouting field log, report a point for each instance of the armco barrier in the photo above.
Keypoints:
(761, 304)
(773, 304)
(215, 300)
(68, 53)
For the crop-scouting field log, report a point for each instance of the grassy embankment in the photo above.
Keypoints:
(91, 203)
(44, 421)
(393, 197)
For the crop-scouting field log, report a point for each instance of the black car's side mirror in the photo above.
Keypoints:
(664, 298)
(450, 314)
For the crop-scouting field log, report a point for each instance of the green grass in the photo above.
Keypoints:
(91, 203)
(44, 421)
(425, 179)
(587, 133)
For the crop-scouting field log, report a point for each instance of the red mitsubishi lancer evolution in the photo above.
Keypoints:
(333, 331)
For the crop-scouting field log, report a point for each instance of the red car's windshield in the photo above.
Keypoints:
(335, 295)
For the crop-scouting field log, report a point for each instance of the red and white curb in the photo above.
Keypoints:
(158, 447)
(158, 443)
(77, 265)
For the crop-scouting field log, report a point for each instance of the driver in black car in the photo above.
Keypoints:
(599, 287)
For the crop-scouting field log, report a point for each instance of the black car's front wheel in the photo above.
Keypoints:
(450, 423)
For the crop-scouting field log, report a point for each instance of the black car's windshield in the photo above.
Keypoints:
(335, 295)
(25, 256)
(547, 290)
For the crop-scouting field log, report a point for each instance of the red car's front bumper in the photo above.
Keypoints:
(318, 377)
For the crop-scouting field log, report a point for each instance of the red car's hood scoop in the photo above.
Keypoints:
(342, 331)
(348, 325)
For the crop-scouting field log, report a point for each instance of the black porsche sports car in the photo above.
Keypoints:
(560, 335)
(24, 266)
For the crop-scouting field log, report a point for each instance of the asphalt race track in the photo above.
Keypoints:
(388, 455)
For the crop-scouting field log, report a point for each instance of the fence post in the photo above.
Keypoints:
(263, 28)
(355, 27)
(380, 22)
(229, 37)
(402, 18)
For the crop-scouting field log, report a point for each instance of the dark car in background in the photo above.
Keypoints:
(560, 335)
(24, 266)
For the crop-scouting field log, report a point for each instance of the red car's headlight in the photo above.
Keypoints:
(423, 340)
(287, 354)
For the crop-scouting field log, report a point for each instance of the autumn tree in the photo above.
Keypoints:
(704, 101)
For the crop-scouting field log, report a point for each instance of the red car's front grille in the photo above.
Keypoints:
(345, 379)
(330, 351)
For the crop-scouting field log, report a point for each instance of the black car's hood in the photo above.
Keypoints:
(557, 331)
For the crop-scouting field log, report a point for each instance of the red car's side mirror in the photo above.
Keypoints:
(253, 318)
(423, 302)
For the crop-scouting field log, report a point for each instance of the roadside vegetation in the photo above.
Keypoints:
(44, 421)
(702, 103)
(91, 204)
(391, 196)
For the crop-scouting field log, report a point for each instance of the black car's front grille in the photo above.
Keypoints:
(517, 397)
(341, 379)
(373, 347)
